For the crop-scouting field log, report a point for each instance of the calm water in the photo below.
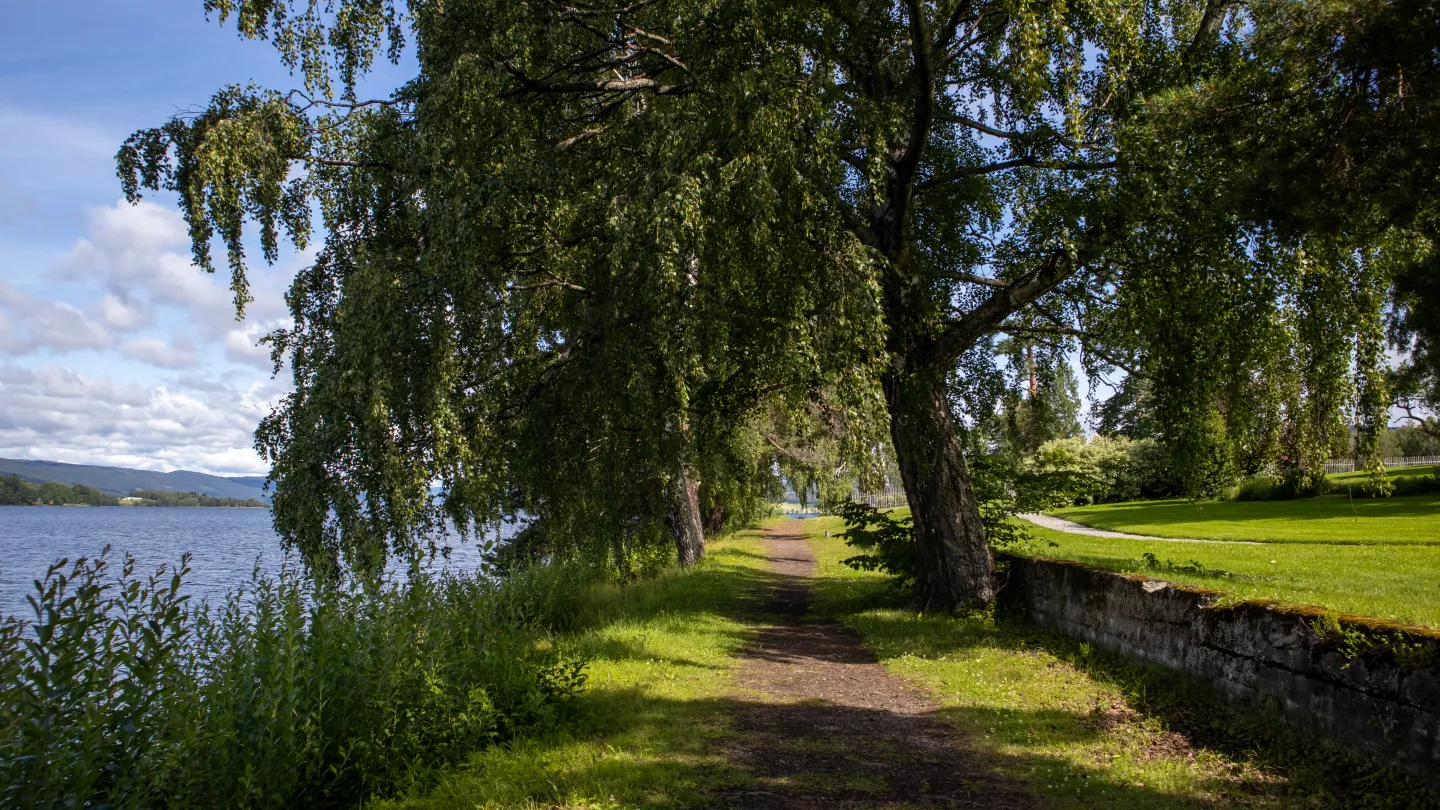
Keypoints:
(225, 543)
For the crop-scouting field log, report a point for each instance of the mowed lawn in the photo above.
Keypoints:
(1355, 479)
(1399, 582)
(1372, 556)
(1331, 519)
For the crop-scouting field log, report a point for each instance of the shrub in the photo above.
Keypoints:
(122, 694)
(1101, 469)
(1416, 485)
(1287, 485)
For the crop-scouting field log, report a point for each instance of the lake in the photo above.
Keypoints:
(225, 543)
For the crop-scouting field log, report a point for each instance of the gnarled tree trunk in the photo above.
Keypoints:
(683, 518)
(954, 567)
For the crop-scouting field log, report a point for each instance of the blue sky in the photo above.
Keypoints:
(114, 348)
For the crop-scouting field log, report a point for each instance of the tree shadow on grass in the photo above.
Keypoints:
(1176, 716)
(627, 748)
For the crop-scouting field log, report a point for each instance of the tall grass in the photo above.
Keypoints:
(119, 692)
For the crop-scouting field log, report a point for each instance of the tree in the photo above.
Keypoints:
(16, 491)
(573, 257)
(1324, 126)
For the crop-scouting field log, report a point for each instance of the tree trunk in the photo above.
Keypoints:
(955, 570)
(716, 522)
(683, 519)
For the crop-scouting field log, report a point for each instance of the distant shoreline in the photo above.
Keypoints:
(124, 506)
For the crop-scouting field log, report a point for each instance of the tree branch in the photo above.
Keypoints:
(1429, 426)
(970, 278)
(980, 127)
(992, 312)
(909, 160)
(991, 168)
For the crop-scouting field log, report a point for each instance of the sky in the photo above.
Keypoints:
(115, 348)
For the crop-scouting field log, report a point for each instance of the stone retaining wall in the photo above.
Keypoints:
(1381, 702)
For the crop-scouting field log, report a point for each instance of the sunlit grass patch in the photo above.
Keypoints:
(1338, 519)
(1086, 730)
(645, 731)
(1400, 583)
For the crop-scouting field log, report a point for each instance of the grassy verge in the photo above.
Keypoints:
(643, 733)
(1361, 476)
(1086, 730)
(1331, 519)
(1396, 582)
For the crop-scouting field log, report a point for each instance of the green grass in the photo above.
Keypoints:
(1360, 476)
(644, 732)
(1396, 582)
(1078, 729)
(1331, 519)
(1085, 730)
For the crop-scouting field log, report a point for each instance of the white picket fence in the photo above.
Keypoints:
(1336, 465)
(887, 498)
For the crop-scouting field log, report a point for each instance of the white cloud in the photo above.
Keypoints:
(130, 273)
(59, 414)
(53, 325)
(142, 252)
(124, 314)
(243, 346)
(157, 352)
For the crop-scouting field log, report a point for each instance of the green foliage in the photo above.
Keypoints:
(121, 693)
(1379, 483)
(1046, 407)
(158, 498)
(887, 537)
(1290, 483)
(1150, 562)
(569, 262)
(1415, 485)
(1100, 469)
(1356, 642)
(1407, 440)
(888, 543)
(16, 491)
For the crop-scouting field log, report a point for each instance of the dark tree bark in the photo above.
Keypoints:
(683, 518)
(716, 521)
(954, 567)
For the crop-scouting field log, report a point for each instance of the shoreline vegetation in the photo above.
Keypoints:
(16, 491)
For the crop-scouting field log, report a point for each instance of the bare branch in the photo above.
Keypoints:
(958, 16)
(1023, 162)
(980, 127)
(970, 278)
(1428, 425)
(1042, 330)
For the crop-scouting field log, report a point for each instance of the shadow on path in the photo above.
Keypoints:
(833, 728)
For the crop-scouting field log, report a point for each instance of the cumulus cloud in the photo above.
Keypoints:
(124, 314)
(243, 346)
(31, 324)
(59, 414)
(156, 352)
(132, 272)
(142, 252)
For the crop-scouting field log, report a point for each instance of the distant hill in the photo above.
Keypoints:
(120, 481)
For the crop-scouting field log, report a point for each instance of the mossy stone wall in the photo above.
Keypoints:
(1363, 682)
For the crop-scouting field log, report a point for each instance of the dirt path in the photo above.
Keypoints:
(832, 728)
(1071, 527)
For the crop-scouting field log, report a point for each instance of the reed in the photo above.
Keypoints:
(120, 692)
